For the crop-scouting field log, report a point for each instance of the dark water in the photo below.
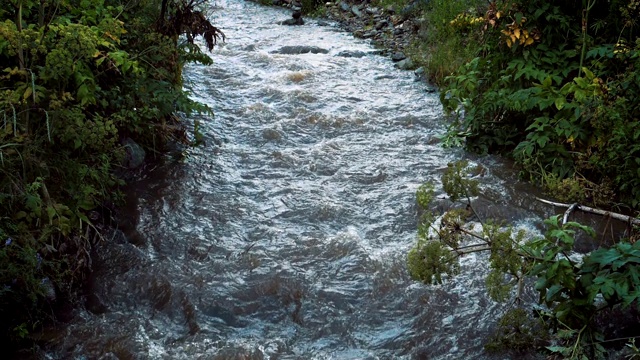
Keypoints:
(285, 235)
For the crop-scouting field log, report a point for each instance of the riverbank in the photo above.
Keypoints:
(86, 92)
(392, 28)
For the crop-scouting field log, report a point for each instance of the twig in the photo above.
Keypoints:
(617, 216)
(568, 212)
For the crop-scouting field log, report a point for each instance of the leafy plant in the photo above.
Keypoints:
(571, 290)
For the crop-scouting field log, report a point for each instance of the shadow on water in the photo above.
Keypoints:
(284, 236)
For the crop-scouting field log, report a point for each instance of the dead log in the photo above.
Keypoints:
(626, 218)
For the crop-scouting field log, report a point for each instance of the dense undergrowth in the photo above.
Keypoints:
(78, 78)
(552, 84)
(555, 85)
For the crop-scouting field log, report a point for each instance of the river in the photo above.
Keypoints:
(284, 236)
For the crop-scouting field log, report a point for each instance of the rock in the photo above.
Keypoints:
(296, 4)
(300, 49)
(406, 64)
(369, 34)
(344, 6)
(371, 10)
(351, 53)
(135, 154)
(48, 289)
(271, 134)
(356, 11)
(430, 89)
(398, 56)
(292, 22)
(382, 24)
(296, 19)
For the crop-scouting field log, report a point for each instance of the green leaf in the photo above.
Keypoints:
(552, 292)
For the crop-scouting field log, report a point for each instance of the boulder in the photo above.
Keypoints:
(300, 49)
(135, 154)
(296, 19)
(356, 11)
(406, 64)
(351, 53)
(398, 56)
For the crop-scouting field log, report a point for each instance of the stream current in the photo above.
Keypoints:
(284, 236)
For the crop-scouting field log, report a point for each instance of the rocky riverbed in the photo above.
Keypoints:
(389, 29)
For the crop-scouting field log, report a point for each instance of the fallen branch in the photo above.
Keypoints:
(617, 216)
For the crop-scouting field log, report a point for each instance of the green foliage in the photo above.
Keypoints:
(78, 77)
(448, 37)
(551, 85)
(456, 184)
(517, 332)
(571, 290)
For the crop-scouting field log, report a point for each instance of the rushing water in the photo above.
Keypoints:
(285, 235)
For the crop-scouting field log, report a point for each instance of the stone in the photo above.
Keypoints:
(292, 22)
(382, 24)
(344, 6)
(296, 19)
(369, 34)
(371, 10)
(398, 56)
(135, 154)
(300, 49)
(356, 11)
(351, 53)
(406, 64)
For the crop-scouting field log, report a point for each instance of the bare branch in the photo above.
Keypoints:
(617, 216)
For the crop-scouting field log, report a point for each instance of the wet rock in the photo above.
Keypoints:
(344, 6)
(48, 289)
(271, 134)
(406, 64)
(355, 10)
(292, 22)
(351, 53)
(296, 19)
(382, 24)
(300, 49)
(398, 56)
(95, 305)
(372, 10)
(430, 89)
(369, 34)
(135, 154)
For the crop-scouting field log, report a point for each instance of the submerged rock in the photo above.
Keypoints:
(406, 64)
(351, 53)
(134, 154)
(296, 19)
(300, 49)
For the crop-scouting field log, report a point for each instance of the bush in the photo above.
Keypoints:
(555, 95)
(78, 77)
